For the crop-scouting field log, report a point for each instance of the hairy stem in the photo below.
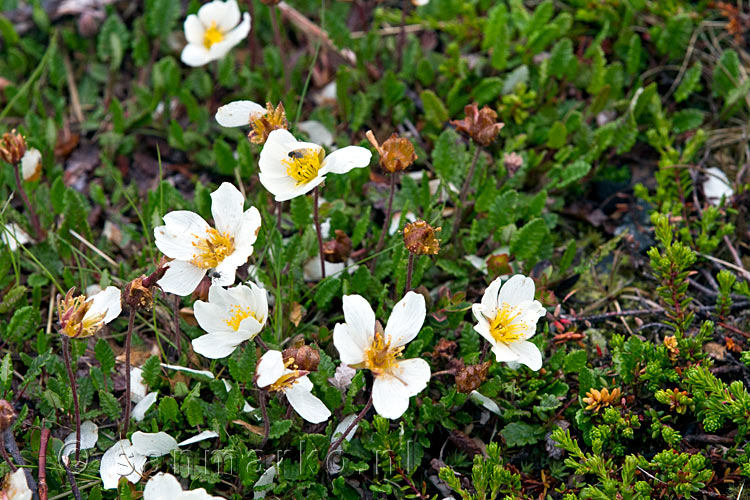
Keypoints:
(266, 424)
(128, 338)
(386, 222)
(73, 388)
(354, 423)
(409, 272)
(44, 439)
(316, 216)
(465, 191)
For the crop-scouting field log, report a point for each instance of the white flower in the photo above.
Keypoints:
(361, 346)
(89, 437)
(275, 374)
(213, 32)
(716, 186)
(15, 487)
(81, 317)
(31, 165)
(507, 317)
(230, 317)
(13, 236)
(197, 247)
(166, 487)
(290, 168)
(239, 113)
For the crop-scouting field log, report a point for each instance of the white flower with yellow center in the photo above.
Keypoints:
(197, 247)
(278, 376)
(290, 168)
(507, 318)
(213, 32)
(230, 317)
(362, 345)
(81, 317)
(166, 487)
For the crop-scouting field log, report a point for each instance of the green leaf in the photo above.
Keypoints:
(573, 172)
(393, 89)
(449, 157)
(112, 41)
(327, 290)
(151, 371)
(521, 434)
(279, 428)
(434, 109)
(23, 323)
(169, 410)
(526, 242)
(6, 372)
(161, 16)
(109, 404)
(690, 82)
(301, 211)
(635, 51)
(687, 119)
(557, 135)
(726, 73)
(104, 355)
(8, 31)
(497, 36)
(487, 90)
(562, 61)
(225, 161)
(575, 361)
(193, 412)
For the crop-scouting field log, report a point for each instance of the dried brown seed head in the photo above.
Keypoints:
(469, 378)
(264, 124)
(7, 415)
(12, 147)
(305, 357)
(420, 238)
(396, 154)
(339, 249)
(479, 124)
(137, 296)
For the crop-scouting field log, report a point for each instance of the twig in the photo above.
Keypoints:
(75, 101)
(94, 249)
(266, 425)
(409, 271)
(4, 453)
(401, 472)
(316, 217)
(260, 343)
(744, 272)
(354, 423)
(128, 338)
(71, 480)
(44, 439)
(71, 376)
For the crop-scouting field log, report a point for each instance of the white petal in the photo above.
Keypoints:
(177, 237)
(265, 479)
(396, 221)
(138, 388)
(502, 352)
(528, 354)
(199, 437)
(389, 397)
(214, 13)
(716, 185)
(311, 269)
(247, 232)
(483, 400)
(516, 290)
(286, 188)
(12, 235)
(306, 403)
(231, 39)
(194, 30)
(345, 159)
(121, 460)
(343, 425)
(16, 486)
(204, 373)
(181, 278)
(231, 16)
(227, 208)
(238, 113)
(219, 345)
(270, 368)
(162, 487)
(31, 163)
(276, 149)
(414, 374)
(89, 437)
(106, 302)
(347, 343)
(532, 312)
(139, 412)
(406, 319)
(360, 318)
(195, 55)
(212, 317)
(154, 444)
(489, 299)
(317, 132)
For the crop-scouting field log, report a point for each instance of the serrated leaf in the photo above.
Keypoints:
(521, 434)
(434, 109)
(562, 60)
(22, 323)
(487, 90)
(151, 371)
(6, 372)
(193, 412)
(526, 242)
(109, 405)
(169, 410)
(279, 428)
(690, 82)
(112, 29)
(327, 289)
(635, 51)
(575, 361)
(687, 119)
(726, 73)
(301, 211)
(449, 157)
(104, 354)
(161, 16)
(557, 135)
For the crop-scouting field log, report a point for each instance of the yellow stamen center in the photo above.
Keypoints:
(212, 249)
(212, 35)
(503, 328)
(303, 164)
(73, 320)
(238, 314)
(287, 380)
(380, 358)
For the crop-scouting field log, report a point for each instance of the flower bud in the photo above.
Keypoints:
(419, 238)
(469, 378)
(12, 147)
(264, 124)
(481, 125)
(338, 250)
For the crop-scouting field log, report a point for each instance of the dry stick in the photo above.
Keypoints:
(71, 480)
(32, 214)
(386, 222)
(465, 191)
(409, 271)
(401, 472)
(44, 439)
(69, 368)
(317, 230)
(360, 416)
(128, 338)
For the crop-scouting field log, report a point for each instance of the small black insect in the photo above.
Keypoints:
(297, 153)
(214, 274)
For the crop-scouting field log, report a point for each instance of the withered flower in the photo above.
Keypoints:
(596, 400)
(12, 147)
(420, 238)
(339, 249)
(396, 153)
(7, 415)
(81, 317)
(262, 125)
(512, 162)
(479, 124)
(469, 378)
(305, 357)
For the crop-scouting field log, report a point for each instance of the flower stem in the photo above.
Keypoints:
(72, 481)
(409, 271)
(44, 439)
(71, 376)
(465, 191)
(266, 424)
(177, 333)
(39, 232)
(360, 416)
(128, 337)
(316, 216)
(7, 440)
(386, 222)
(4, 453)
